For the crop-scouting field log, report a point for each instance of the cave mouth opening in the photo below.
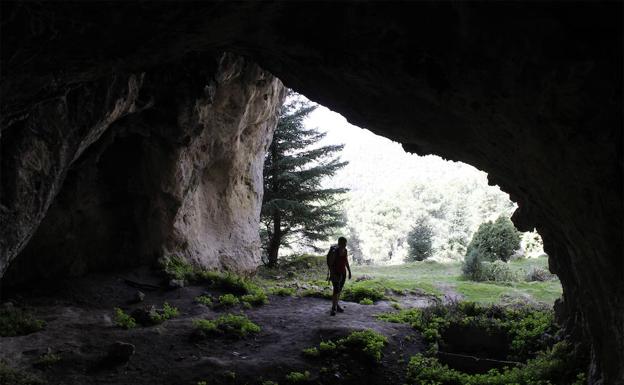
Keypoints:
(402, 208)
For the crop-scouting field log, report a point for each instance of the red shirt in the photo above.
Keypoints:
(340, 265)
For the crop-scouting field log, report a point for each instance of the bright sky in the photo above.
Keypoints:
(375, 160)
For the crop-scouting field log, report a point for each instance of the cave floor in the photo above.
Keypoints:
(79, 329)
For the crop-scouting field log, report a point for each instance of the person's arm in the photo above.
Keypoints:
(348, 267)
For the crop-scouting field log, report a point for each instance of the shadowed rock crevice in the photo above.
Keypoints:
(530, 93)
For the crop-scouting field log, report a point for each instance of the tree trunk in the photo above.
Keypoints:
(276, 239)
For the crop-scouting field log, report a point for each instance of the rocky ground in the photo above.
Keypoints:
(80, 331)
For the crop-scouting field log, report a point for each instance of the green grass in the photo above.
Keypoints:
(431, 277)
(231, 325)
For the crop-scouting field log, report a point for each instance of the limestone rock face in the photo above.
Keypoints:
(181, 177)
(529, 92)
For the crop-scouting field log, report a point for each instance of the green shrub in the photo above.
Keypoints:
(327, 347)
(319, 292)
(257, 298)
(10, 376)
(234, 284)
(311, 352)
(178, 268)
(228, 325)
(361, 290)
(284, 291)
(366, 301)
(497, 271)
(472, 267)
(204, 300)
(297, 377)
(525, 326)
(367, 343)
(228, 300)
(554, 366)
(166, 313)
(495, 240)
(539, 274)
(124, 320)
(17, 322)
(420, 241)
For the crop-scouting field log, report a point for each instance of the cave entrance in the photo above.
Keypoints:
(402, 208)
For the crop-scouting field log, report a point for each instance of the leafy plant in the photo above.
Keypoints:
(297, 377)
(366, 301)
(311, 352)
(367, 343)
(124, 320)
(495, 240)
(284, 291)
(228, 325)
(257, 298)
(204, 300)
(178, 268)
(166, 313)
(17, 322)
(364, 290)
(554, 366)
(228, 300)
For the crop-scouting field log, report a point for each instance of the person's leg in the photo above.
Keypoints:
(336, 290)
(340, 287)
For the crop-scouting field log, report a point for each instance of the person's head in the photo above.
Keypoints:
(342, 242)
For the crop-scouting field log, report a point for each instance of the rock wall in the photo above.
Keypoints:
(182, 176)
(529, 92)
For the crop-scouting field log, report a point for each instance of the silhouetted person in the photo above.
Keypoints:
(338, 264)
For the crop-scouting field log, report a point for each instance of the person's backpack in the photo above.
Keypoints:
(332, 255)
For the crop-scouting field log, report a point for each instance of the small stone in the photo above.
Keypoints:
(119, 353)
(176, 283)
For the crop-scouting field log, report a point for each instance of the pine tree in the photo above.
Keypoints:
(295, 206)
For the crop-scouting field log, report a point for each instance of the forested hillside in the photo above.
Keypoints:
(391, 192)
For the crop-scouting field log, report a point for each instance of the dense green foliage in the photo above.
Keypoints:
(124, 320)
(420, 241)
(227, 300)
(524, 326)
(365, 345)
(296, 208)
(230, 325)
(298, 377)
(167, 312)
(495, 240)
(556, 365)
(17, 322)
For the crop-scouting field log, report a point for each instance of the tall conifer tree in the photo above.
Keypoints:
(296, 208)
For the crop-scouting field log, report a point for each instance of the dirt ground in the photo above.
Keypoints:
(79, 329)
